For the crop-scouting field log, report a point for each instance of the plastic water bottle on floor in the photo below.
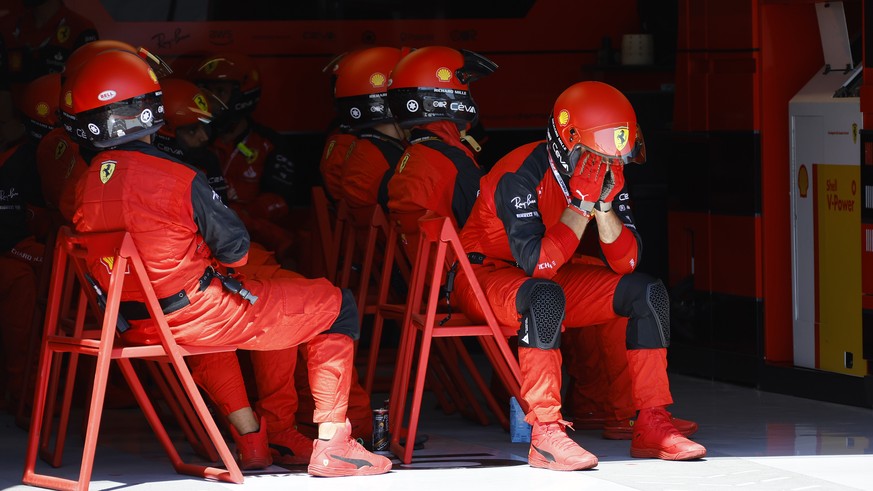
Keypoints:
(519, 429)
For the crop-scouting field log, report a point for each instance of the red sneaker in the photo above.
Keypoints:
(624, 429)
(551, 448)
(252, 451)
(290, 447)
(656, 437)
(343, 456)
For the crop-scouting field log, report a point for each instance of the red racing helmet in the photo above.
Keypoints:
(111, 99)
(89, 50)
(235, 69)
(432, 84)
(594, 117)
(361, 87)
(39, 104)
(186, 106)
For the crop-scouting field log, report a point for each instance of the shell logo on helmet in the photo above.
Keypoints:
(564, 117)
(42, 109)
(68, 99)
(443, 74)
(378, 79)
(153, 75)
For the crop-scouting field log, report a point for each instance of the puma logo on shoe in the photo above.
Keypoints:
(358, 463)
(548, 456)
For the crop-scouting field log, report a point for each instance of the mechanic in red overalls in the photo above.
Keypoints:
(273, 438)
(430, 96)
(261, 182)
(339, 139)
(259, 171)
(187, 238)
(361, 98)
(534, 206)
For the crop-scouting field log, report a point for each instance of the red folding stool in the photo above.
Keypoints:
(440, 250)
(22, 416)
(381, 261)
(384, 306)
(328, 231)
(106, 345)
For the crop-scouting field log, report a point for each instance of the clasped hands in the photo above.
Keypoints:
(594, 184)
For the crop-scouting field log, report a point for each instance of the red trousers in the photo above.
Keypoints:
(221, 377)
(596, 359)
(589, 290)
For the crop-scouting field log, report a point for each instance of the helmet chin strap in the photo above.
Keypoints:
(469, 140)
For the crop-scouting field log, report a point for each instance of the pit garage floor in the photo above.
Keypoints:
(755, 441)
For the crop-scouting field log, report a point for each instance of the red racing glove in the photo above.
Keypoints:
(613, 182)
(586, 184)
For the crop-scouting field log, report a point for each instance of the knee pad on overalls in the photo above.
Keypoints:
(541, 305)
(644, 300)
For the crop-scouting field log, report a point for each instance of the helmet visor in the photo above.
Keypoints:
(624, 143)
(159, 66)
(119, 122)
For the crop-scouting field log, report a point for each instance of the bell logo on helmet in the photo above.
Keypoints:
(412, 105)
(377, 79)
(93, 128)
(106, 95)
(620, 136)
(443, 74)
(564, 117)
(107, 168)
